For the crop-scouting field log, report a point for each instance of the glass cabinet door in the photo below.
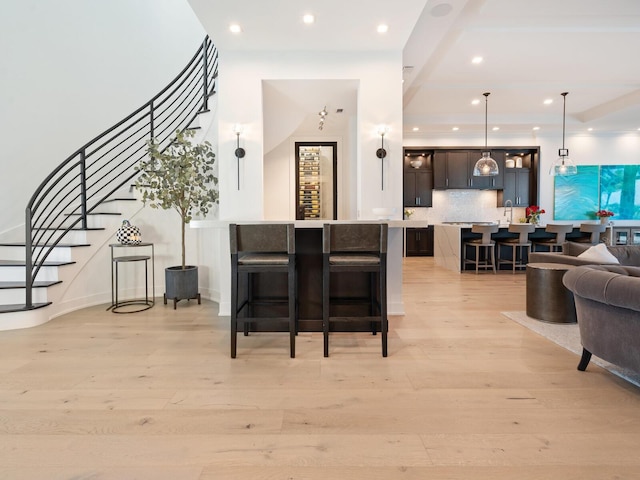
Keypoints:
(316, 181)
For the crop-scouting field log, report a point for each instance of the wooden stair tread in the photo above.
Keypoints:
(39, 284)
(65, 245)
(79, 229)
(21, 263)
(115, 214)
(125, 199)
(21, 307)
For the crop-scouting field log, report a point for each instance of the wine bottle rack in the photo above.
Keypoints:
(310, 192)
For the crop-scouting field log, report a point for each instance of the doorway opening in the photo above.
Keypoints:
(316, 180)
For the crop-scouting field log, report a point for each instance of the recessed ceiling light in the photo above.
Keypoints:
(383, 28)
(475, 101)
(417, 129)
(477, 60)
(590, 129)
(548, 101)
(536, 128)
(235, 28)
(308, 19)
(455, 129)
(495, 129)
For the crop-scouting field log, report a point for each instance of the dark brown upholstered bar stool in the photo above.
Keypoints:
(553, 244)
(485, 254)
(518, 245)
(348, 248)
(592, 233)
(268, 248)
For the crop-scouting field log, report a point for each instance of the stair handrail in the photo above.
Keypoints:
(96, 171)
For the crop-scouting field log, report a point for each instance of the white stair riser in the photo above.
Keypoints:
(11, 296)
(59, 254)
(17, 274)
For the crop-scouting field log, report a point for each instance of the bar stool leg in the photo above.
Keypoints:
(234, 310)
(292, 308)
(383, 309)
(325, 306)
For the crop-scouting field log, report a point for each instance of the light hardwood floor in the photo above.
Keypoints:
(464, 394)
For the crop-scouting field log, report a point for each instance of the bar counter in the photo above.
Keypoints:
(309, 261)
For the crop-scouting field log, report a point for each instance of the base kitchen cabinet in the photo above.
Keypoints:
(419, 242)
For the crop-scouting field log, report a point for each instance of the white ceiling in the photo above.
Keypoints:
(532, 50)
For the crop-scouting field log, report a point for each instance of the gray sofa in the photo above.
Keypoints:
(607, 299)
(626, 254)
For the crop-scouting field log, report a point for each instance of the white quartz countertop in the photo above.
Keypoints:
(308, 223)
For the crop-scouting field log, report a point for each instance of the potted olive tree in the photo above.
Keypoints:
(179, 177)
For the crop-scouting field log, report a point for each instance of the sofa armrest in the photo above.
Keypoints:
(609, 284)
(548, 257)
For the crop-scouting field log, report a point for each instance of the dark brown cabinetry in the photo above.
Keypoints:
(516, 187)
(417, 178)
(419, 242)
(520, 181)
(453, 169)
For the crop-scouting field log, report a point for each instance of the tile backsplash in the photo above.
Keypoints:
(465, 206)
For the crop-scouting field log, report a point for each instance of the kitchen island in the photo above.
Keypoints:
(449, 239)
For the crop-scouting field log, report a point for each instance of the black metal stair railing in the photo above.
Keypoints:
(98, 169)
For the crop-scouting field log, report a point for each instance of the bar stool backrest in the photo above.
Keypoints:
(486, 231)
(523, 230)
(355, 238)
(595, 229)
(560, 230)
(262, 238)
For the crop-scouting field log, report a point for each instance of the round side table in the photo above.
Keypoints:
(123, 306)
(547, 297)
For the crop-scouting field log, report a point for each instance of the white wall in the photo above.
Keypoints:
(72, 68)
(241, 101)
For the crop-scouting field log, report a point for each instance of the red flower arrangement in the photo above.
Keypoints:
(533, 213)
(604, 213)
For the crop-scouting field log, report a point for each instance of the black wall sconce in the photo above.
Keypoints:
(237, 129)
(381, 153)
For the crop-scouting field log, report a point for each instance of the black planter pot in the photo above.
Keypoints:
(181, 284)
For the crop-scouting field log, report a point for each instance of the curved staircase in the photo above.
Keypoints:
(78, 207)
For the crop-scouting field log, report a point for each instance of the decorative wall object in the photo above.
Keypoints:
(620, 190)
(576, 196)
(598, 187)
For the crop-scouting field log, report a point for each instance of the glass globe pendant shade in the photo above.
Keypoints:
(486, 166)
(563, 166)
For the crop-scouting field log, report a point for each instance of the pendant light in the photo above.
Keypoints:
(563, 165)
(486, 166)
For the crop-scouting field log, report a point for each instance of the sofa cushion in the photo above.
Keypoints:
(574, 249)
(626, 254)
(598, 254)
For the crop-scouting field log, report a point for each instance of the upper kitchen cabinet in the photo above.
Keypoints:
(453, 169)
(417, 178)
(520, 180)
(516, 187)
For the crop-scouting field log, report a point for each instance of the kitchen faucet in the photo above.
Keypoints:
(508, 204)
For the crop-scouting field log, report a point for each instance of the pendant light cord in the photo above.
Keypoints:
(564, 114)
(486, 108)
